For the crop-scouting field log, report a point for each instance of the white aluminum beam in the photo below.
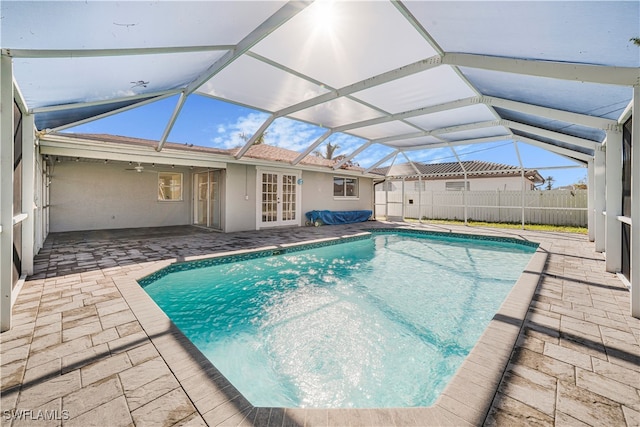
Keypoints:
(416, 24)
(312, 147)
(550, 113)
(413, 166)
(255, 136)
(579, 142)
(440, 131)
(381, 161)
(456, 143)
(28, 191)
(89, 53)
(6, 191)
(172, 120)
(635, 206)
(389, 76)
(622, 76)
(575, 156)
(591, 216)
(613, 239)
(75, 105)
(353, 154)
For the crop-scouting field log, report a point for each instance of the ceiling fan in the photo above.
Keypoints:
(138, 169)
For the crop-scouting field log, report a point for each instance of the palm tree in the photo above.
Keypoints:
(258, 141)
(330, 149)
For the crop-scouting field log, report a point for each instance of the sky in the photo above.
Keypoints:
(212, 123)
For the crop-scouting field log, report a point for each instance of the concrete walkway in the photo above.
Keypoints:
(87, 347)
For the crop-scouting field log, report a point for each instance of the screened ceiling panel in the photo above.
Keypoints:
(587, 98)
(471, 114)
(360, 39)
(383, 130)
(432, 87)
(552, 141)
(54, 81)
(591, 32)
(484, 132)
(275, 89)
(129, 24)
(597, 135)
(340, 111)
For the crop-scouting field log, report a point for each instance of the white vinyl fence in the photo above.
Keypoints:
(553, 207)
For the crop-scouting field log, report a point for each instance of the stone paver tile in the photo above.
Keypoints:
(18, 342)
(92, 396)
(276, 417)
(531, 387)
(195, 420)
(47, 329)
(606, 387)
(129, 328)
(142, 353)
(105, 336)
(72, 315)
(43, 372)
(616, 372)
(12, 374)
(632, 417)
(545, 364)
(45, 341)
(74, 332)
(563, 419)
(144, 373)
(144, 394)
(226, 410)
(240, 419)
(579, 327)
(48, 414)
(511, 412)
(588, 407)
(567, 355)
(14, 354)
(261, 417)
(117, 318)
(105, 368)
(15, 333)
(45, 391)
(128, 342)
(293, 417)
(58, 351)
(114, 413)
(165, 410)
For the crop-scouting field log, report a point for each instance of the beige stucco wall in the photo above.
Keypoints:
(317, 193)
(239, 203)
(92, 196)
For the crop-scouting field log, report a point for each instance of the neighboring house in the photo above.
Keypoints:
(105, 181)
(481, 176)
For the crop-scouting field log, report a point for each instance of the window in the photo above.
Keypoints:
(455, 185)
(345, 187)
(169, 186)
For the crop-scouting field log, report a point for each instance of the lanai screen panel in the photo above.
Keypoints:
(340, 43)
(384, 130)
(471, 114)
(260, 85)
(590, 32)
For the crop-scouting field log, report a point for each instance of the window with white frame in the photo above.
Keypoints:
(345, 187)
(169, 186)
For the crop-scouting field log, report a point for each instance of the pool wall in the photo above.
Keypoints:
(465, 401)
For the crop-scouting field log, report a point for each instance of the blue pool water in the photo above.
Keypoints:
(378, 322)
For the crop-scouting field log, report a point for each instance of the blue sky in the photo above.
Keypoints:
(212, 123)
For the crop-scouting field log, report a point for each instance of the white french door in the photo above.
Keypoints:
(278, 198)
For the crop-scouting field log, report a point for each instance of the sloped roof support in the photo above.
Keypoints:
(92, 53)
(579, 142)
(575, 156)
(172, 120)
(550, 113)
(312, 147)
(255, 136)
(621, 76)
(415, 169)
(163, 94)
(440, 131)
(461, 142)
(381, 161)
(352, 155)
(522, 189)
(112, 112)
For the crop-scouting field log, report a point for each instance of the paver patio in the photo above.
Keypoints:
(88, 348)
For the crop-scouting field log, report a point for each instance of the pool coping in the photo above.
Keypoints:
(466, 400)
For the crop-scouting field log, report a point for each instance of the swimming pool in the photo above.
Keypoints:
(381, 321)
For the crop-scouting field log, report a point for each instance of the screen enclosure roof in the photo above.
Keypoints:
(409, 75)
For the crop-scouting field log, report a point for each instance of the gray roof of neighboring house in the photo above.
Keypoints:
(474, 169)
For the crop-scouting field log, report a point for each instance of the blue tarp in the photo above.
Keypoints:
(338, 217)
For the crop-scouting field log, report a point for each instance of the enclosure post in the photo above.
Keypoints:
(590, 193)
(613, 239)
(403, 194)
(515, 145)
(6, 191)
(386, 200)
(635, 205)
(28, 189)
(599, 191)
(420, 199)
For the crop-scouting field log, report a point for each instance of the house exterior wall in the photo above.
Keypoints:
(240, 211)
(93, 196)
(317, 193)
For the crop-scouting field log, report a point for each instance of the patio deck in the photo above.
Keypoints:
(88, 347)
